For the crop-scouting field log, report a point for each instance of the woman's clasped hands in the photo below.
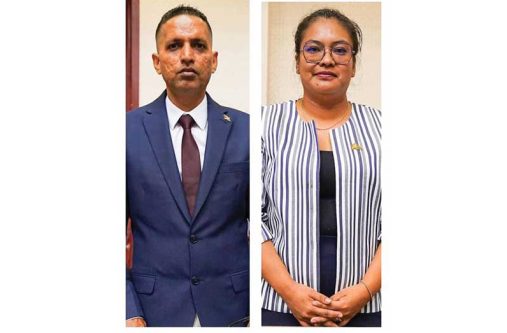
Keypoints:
(348, 302)
(307, 304)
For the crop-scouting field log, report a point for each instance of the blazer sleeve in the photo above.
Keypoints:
(134, 308)
(265, 230)
(133, 305)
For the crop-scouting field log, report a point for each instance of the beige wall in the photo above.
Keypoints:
(279, 64)
(229, 20)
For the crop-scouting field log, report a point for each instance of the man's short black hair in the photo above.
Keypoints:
(182, 10)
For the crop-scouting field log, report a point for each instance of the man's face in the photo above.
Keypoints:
(185, 58)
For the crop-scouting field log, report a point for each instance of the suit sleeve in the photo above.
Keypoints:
(134, 308)
(247, 213)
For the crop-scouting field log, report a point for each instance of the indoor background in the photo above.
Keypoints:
(229, 85)
(280, 20)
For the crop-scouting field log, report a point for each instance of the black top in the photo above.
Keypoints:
(327, 208)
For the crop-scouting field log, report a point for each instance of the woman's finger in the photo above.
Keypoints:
(303, 323)
(335, 305)
(320, 321)
(327, 313)
(330, 323)
(320, 297)
(320, 305)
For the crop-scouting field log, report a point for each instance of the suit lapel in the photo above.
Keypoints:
(216, 140)
(156, 126)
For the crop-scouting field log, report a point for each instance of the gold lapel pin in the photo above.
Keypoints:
(356, 146)
(227, 118)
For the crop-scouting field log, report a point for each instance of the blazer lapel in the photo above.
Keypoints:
(156, 126)
(219, 125)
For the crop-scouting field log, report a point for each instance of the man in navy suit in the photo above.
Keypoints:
(187, 190)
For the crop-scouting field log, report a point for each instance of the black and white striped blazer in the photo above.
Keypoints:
(290, 196)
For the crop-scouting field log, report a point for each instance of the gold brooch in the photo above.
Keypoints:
(227, 118)
(356, 146)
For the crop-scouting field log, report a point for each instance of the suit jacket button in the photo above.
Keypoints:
(193, 239)
(195, 280)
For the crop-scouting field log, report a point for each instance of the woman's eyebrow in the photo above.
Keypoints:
(340, 41)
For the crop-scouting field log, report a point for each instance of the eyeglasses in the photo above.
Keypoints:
(314, 52)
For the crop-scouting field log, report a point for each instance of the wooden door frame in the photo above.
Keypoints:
(132, 87)
(132, 54)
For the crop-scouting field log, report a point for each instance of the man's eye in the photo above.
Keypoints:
(173, 46)
(200, 46)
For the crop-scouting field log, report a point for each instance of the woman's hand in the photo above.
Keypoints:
(301, 300)
(298, 297)
(351, 300)
(348, 302)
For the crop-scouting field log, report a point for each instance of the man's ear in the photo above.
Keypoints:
(214, 62)
(156, 62)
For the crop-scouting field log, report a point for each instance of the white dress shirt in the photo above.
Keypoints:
(199, 130)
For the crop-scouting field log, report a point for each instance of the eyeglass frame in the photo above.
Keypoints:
(353, 52)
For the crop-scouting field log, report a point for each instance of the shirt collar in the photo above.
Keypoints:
(199, 113)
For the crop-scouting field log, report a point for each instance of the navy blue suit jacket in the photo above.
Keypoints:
(183, 264)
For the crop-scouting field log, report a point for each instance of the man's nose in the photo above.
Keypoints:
(187, 53)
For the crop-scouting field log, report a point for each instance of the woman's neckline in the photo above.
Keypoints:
(312, 122)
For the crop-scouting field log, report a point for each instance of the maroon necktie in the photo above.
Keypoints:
(190, 162)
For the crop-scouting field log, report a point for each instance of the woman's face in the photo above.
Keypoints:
(326, 77)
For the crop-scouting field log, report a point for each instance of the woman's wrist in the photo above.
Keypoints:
(286, 289)
(368, 294)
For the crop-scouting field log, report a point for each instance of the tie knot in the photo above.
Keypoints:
(186, 121)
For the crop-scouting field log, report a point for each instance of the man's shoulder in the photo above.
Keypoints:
(238, 114)
(234, 114)
(135, 118)
(137, 111)
(240, 119)
(150, 107)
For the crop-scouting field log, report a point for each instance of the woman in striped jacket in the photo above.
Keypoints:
(321, 213)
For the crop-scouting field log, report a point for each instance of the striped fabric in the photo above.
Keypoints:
(290, 196)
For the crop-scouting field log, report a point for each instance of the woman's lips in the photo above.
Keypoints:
(325, 75)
